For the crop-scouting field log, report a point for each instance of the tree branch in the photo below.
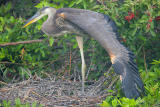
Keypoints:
(21, 42)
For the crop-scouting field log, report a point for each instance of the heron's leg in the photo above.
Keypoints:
(80, 45)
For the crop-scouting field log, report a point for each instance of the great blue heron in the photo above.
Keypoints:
(101, 28)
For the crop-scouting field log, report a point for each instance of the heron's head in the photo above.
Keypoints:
(41, 13)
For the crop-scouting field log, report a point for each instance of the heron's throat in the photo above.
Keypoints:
(50, 12)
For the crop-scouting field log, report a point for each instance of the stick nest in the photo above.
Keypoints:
(58, 92)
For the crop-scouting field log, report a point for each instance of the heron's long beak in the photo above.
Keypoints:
(32, 20)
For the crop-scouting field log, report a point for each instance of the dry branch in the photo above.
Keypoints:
(21, 42)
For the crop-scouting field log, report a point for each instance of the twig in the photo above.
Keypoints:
(111, 84)
(144, 56)
(27, 94)
(100, 83)
(89, 70)
(5, 62)
(1, 82)
(70, 61)
(139, 49)
(21, 42)
(5, 89)
(39, 95)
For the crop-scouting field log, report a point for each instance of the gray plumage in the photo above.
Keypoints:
(104, 30)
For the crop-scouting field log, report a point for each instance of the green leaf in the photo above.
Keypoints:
(51, 40)
(6, 104)
(144, 19)
(18, 101)
(152, 33)
(8, 6)
(115, 103)
(72, 3)
(110, 91)
(40, 106)
(75, 46)
(43, 53)
(156, 62)
(79, 1)
(105, 104)
(134, 31)
(84, 4)
(34, 104)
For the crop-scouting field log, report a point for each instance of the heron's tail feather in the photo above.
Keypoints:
(132, 84)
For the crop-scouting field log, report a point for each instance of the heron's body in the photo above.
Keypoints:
(106, 34)
(103, 29)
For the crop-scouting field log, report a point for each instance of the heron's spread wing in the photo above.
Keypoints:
(131, 82)
(103, 29)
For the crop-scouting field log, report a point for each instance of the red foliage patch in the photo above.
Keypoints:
(157, 18)
(150, 20)
(130, 16)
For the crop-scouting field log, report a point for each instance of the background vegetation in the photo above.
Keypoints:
(139, 29)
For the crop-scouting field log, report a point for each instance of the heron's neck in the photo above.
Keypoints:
(51, 12)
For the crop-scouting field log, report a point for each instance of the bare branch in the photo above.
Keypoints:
(21, 42)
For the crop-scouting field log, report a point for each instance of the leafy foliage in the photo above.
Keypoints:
(152, 94)
(19, 104)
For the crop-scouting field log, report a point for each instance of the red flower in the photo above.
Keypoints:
(150, 20)
(130, 16)
(127, 18)
(148, 26)
(157, 18)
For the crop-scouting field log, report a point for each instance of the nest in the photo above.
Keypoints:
(58, 92)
